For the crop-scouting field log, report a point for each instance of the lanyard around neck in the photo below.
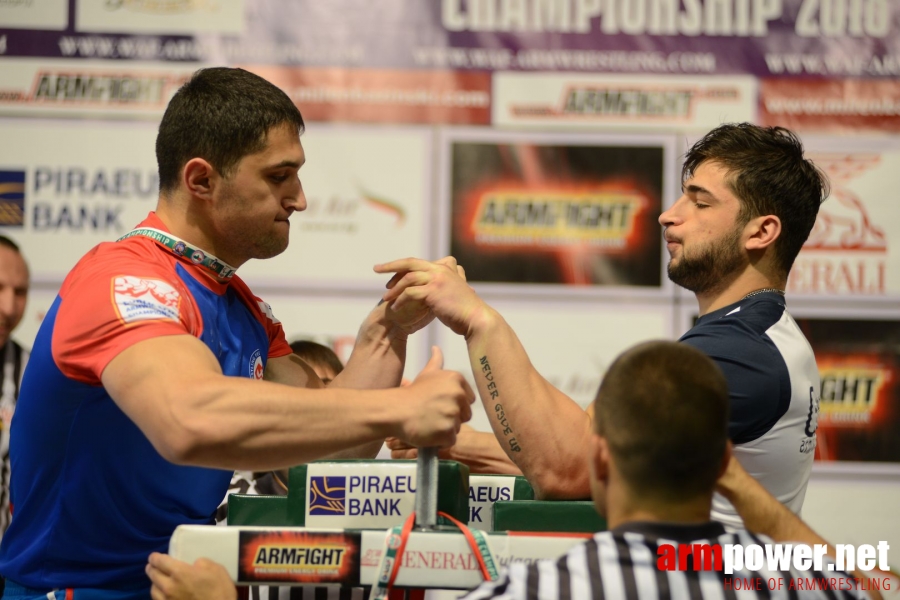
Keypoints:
(179, 247)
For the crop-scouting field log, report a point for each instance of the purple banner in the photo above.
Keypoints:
(766, 38)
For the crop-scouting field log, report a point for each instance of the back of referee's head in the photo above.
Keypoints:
(662, 410)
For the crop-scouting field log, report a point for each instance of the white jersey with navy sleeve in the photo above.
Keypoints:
(773, 383)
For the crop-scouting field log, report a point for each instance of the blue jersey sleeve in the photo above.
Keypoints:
(758, 379)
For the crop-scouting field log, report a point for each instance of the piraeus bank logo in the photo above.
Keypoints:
(361, 496)
(327, 496)
(12, 198)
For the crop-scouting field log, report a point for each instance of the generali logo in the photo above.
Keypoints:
(843, 223)
(846, 253)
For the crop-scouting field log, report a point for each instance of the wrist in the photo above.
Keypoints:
(482, 320)
(378, 327)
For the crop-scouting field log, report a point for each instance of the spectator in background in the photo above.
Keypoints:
(322, 359)
(14, 279)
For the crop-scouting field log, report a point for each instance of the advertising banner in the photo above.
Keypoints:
(852, 250)
(574, 100)
(299, 556)
(160, 16)
(360, 495)
(34, 14)
(842, 106)
(71, 185)
(575, 211)
(35, 87)
(385, 96)
(32, 87)
(859, 407)
(484, 491)
(766, 38)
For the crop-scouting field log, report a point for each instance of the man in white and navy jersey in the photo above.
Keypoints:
(659, 443)
(752, 186)
(14, 279)
(750, 201)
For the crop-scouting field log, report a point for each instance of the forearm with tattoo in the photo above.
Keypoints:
(494, 392)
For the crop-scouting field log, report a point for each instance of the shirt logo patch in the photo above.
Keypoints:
(140, 299)
(812, 418)
(267, 310)
(256, 365)
(197, 256)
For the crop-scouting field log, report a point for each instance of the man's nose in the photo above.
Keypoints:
(671, 215)
(297, 201)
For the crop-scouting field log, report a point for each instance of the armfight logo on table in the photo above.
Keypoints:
(770, 560)
(299, 556)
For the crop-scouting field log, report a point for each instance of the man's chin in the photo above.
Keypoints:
(271, 251)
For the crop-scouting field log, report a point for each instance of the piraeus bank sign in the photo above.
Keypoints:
(368, 495)
(359, 495)
(73, 197)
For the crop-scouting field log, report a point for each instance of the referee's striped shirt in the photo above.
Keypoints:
(622, 564)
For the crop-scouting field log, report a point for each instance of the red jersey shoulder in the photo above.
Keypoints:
(117, 295)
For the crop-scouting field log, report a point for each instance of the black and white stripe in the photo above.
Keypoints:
(622, 564)
(283, 592)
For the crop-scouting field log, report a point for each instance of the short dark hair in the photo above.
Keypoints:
(8, 243)
(317, 354)
(663, 408)
(770, 176)
(220, 115)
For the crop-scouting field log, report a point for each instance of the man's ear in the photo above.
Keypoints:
(762, 232)
(599, 458)
(199, 177)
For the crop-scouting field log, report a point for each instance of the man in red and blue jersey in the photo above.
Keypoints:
(156, 372)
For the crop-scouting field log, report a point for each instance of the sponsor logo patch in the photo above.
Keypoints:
(256, 365)
(139, 299)
(327, 495)
(267, 310)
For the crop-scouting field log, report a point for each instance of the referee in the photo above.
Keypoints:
(660, 443)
